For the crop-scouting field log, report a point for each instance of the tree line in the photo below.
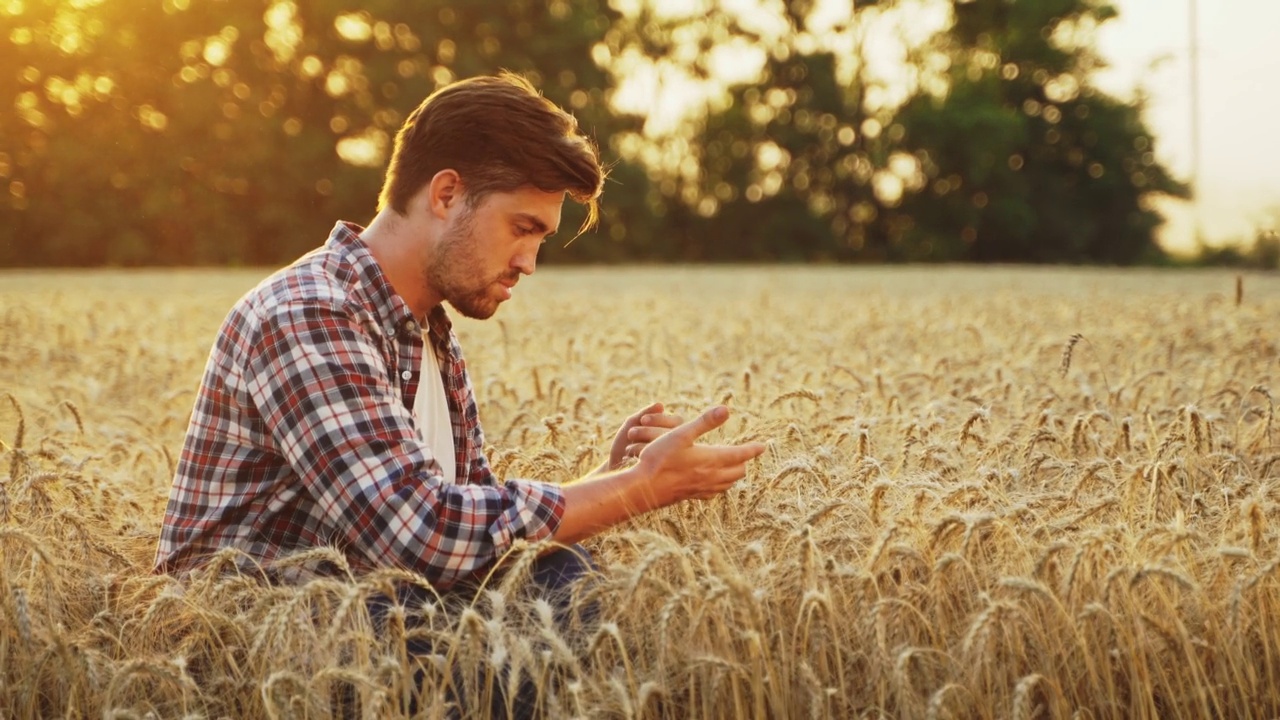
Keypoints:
(210, 132)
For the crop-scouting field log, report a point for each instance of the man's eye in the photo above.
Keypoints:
(524, 230)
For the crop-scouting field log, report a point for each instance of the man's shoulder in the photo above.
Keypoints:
(323, 277)
(339, 278)
(318, 284)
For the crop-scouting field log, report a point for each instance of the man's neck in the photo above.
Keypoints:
(398, 247)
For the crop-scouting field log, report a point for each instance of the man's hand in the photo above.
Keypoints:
(680, 469)
(637, 431)
(672, 467)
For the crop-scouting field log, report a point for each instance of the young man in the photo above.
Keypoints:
(336, 410)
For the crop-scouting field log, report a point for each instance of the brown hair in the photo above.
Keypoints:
(500, 135)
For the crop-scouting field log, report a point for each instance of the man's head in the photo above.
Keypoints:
(483, 250)
(499, 135)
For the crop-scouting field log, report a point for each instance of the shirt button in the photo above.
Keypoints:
(406, 375)
(411, 326)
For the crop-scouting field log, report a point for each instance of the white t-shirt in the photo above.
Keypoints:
(431, 412)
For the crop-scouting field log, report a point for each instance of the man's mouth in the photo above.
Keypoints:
(507, 284)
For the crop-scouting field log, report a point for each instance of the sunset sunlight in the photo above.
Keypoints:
(644, 359)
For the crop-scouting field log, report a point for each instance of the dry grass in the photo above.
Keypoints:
(988, 493)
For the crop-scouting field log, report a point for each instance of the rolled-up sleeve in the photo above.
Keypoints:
(319, 380)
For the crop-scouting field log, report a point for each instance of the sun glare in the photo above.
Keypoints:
(368, 149)
(354, 26)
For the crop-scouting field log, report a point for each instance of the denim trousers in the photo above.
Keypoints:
(551, 577)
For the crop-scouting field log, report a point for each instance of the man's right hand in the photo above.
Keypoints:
(680, 469)
(672, 468)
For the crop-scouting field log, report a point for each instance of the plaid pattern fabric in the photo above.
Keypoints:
(303, 435)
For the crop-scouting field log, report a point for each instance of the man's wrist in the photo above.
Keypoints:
(636, 487)
(598, 502)
(629, 487)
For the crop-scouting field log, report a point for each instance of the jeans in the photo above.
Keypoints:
(551, 577)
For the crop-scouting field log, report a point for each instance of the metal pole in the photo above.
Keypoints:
(1195, 123)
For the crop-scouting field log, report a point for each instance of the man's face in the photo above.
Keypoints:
(486, 248)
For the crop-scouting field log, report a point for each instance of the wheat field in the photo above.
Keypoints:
(988, 493)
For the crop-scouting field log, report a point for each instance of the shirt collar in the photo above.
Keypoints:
(345, 240)
(439, 324)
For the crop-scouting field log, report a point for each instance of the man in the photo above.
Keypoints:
(336, 410)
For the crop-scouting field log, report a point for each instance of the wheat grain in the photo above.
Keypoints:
(966, 431)
(1067, 350)
(937, 708)
(1024, 704)
(19, 433)
(805, 393)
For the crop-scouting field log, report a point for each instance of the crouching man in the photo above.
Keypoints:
(336, 409)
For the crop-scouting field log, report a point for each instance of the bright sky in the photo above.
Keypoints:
(1239, 185)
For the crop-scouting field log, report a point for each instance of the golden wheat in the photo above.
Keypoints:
(958, 515)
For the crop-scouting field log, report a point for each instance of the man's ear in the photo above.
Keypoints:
(444, 192)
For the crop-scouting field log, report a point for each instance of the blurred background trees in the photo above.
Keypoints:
(1028, 161)
(186, 132)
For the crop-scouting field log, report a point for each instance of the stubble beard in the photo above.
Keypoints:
(456, 273)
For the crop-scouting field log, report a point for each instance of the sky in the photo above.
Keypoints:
(1239, 64)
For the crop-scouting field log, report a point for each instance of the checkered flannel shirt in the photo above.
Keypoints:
(303, 435)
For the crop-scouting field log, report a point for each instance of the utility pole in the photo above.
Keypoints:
(1194, 27)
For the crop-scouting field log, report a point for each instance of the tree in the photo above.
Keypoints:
(237, 131)
(1025, 160)
(778, 167)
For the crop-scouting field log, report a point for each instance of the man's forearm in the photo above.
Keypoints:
(600, 501)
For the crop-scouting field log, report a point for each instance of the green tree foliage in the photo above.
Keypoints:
(237, 131)
(774, 172)
(784, 166)
(1003, 151)
(1025, 160)
(155, 133)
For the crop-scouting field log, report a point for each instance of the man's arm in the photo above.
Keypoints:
(672, 468)
(674, 471)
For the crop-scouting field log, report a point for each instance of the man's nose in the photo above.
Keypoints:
(526, 262)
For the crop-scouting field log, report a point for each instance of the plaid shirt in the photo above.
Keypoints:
(303, 435)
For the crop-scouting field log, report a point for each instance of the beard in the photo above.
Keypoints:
(457, 272)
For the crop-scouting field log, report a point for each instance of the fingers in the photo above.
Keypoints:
(729, 463)
(732, 474)
(737, 455)
(652, 409)
(709, 420)
(646, 434)
(742, 453)
(723, 479)
(645, 427)
(661, 420)
(653, 413)
(685, 468)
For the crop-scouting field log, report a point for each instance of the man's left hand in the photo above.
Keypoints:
(638, 431)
